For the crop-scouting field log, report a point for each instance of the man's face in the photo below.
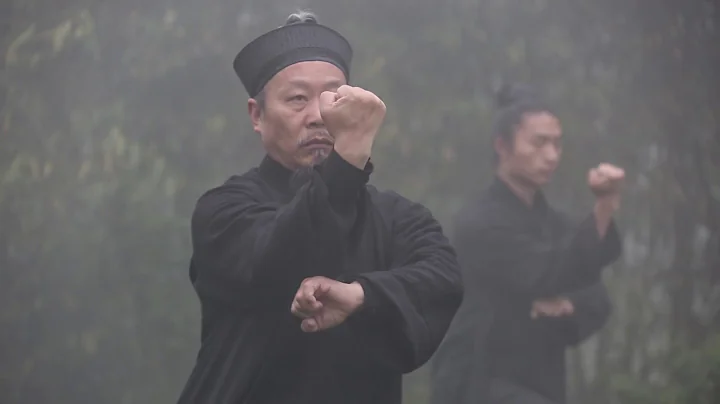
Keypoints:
(289, 122)
(535, 152)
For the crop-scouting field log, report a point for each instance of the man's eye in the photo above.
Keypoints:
(298, 97)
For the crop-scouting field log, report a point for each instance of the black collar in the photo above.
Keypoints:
(501, 190)
(282, 178)
(274, 172)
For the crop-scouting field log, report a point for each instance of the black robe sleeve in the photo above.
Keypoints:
(592, 309)
(247, 249)
(515, 262)
(409, 308)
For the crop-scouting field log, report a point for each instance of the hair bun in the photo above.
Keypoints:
(301, 17)
(508, 95)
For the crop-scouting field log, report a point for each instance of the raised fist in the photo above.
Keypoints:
(606, 180)
(353, 117)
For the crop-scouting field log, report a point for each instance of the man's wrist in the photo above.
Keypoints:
(355, 153)
(607, 204)
(357, 296)
(604, 210)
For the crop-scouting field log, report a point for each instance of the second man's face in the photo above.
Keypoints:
(536, 148)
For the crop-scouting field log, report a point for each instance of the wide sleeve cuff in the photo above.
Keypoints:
(372, 301)
(606, 249)
(343, 179)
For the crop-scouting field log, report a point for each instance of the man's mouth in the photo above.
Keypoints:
(547, 172)
(317, 142)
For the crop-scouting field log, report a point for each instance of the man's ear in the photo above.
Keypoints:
(256, 114)
(502, 148)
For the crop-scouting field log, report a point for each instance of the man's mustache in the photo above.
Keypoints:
(318, 137)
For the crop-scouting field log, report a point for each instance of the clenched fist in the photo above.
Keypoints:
(324, 303)
(605, 180)
(353, 117)
(557, 307)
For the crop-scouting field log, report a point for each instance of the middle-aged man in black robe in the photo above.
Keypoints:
(532, 276)
(315, 287)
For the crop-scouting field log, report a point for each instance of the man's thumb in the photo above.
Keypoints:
(327, 99)
(309, 325)
(322, 289)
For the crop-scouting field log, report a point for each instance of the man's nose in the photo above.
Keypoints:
(552, 154)
(313, 112)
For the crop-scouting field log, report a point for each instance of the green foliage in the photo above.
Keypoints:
(116, 116)
(693, 377)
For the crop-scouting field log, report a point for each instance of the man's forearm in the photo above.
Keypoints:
(604, 210)
(355, 151)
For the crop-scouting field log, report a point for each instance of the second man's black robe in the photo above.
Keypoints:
(513, 254)
(257, 237)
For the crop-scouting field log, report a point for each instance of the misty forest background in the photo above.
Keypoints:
(116, 115)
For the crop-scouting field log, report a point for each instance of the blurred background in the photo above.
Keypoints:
(116, 115)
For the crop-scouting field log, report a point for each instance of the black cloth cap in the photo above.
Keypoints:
(265, 56)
